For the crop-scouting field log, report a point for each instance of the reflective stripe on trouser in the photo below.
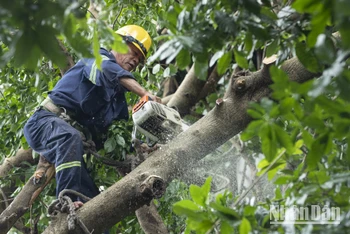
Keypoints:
(61, 145)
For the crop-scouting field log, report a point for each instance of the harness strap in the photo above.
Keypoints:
(65, 115)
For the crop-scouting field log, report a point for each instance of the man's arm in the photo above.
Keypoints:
(136, 88)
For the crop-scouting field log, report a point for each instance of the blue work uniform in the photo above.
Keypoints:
(95, 98)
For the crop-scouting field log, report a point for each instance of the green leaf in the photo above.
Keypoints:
(283, 180)
(324, 49)
(252, 130)
(307, 57)
(255, 114)
(197, 195)
(308, 139)
(189, 209)
(240, 59)
(284, 139)
(120, 140)
(268, 139)
(225, 212)
(96, 49)
(24, 42)
(319, 148)
(166, 72)
(272, 48)
(203, 226)
(307, 5)
(156, 68)
(215, 57)
(183, 59)
(201, 70)
(226, 228)
(278, 194)
(224, 62)
(244, 227)
(206, 186)
(110, 145)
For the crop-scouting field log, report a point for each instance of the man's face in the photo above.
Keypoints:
(130, 60)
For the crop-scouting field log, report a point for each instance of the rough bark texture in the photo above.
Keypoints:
(187, 93)
(18, 207)
(210, 85)
(9, 163)
(150, 220)
(227, 119)
(44, 173)
(15, 161)
(170, 86)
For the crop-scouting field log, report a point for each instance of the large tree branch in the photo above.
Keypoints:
(210, 85)
(228, 118)
(187, 93)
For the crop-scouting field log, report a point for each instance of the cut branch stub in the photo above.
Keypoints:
(239, 85)
(153, 186)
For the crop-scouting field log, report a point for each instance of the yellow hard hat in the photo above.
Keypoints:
(137, 36)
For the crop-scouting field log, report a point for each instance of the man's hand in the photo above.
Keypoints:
(78, 204)
(154, 98)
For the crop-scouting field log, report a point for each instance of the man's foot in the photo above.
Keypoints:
(78, 204)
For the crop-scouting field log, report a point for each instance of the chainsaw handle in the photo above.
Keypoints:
(140, 103)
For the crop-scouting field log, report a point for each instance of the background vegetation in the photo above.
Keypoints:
(303, 129)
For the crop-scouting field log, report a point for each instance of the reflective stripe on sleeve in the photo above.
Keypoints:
(68, 165)
(94, 68)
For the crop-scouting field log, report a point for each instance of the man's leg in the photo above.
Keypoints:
(60, 144)
(68, 146)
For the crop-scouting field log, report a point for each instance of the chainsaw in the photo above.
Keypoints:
(157, 122)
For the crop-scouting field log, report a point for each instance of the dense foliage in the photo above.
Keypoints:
(303, 128)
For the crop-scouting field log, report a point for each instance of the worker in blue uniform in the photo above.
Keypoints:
(93, 98)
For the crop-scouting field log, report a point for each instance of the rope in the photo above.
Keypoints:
(64, 204)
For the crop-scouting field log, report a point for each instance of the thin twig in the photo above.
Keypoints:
(91, 13)
(116, 18)
(4, 197)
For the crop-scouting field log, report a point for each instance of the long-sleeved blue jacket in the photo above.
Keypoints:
(94, 96)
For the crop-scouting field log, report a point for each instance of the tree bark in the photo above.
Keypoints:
(228, 118)
(18, 207)
(150, 220)
(69, 59)
(210, 85)
(15, 161)
(187, 93)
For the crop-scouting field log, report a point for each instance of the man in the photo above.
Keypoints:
(93, 98)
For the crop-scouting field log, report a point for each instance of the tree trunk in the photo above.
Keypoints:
(187, 93)
(228, 118)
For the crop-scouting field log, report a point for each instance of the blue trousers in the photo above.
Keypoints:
(60, 144)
